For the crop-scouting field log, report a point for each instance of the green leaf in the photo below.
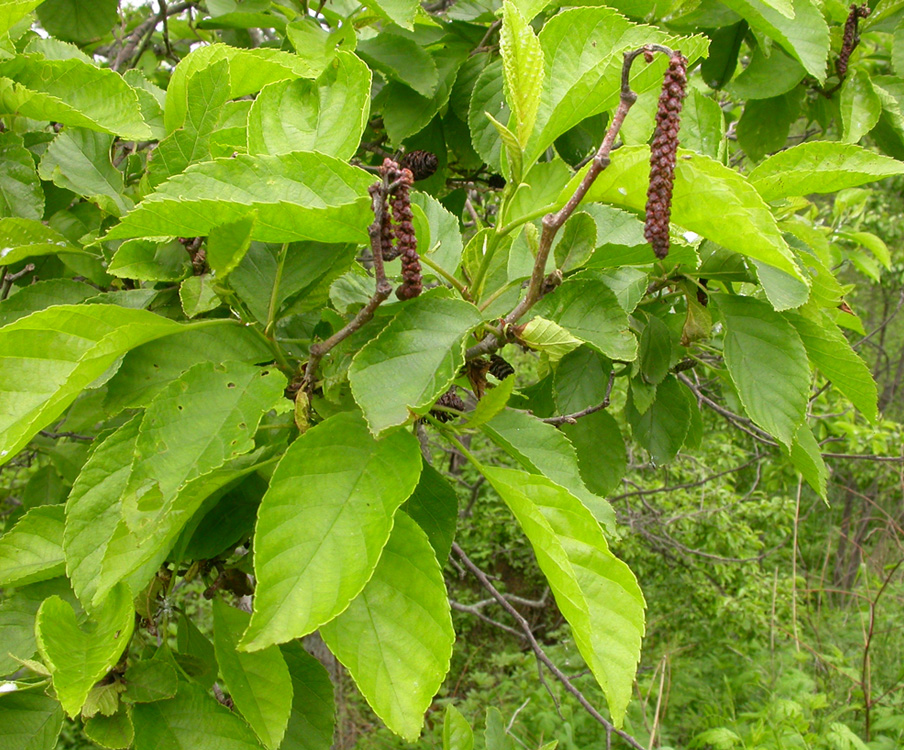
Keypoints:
(457, 733)
(543, 450)
(434, 507)
(29, 720)
(601, 452)
(196, 424)
(27, 238)
(206, 93)
(312, 719)
(513, 151)
(78, 20)
(708, 198)
(402, 59)
(662, 427)
(589, 309)
(655, 351)
(766, 123)
(549, 338)
(76, 658)
(116, 731)
(860, 106)
(198, 295)
(445, 245)
(32, 550)
(406, 112)
(58, 352)
(249, 71)
(193, 720)
(401, 12)
(594, 590)
(804, 35)
(72, 92)
(259, 683)
(13, 11)
(396, 637)
(829, 350)
(806, 456)
(313, 44)
(425, 342)
(488, 96)
(133, 385)
(228, 243)
(766, 76)
(820, 167)
(330, 205)
(576, 243)
(496, 735)
(581, 380)
(303, 115)
(522, 65)
(150, 680)
(719, 67)
(323, 523)
(79, 160)
(491, 403)
(20, 189)
(149, 260)
(582, 49)
(100, 549)
(767, 363)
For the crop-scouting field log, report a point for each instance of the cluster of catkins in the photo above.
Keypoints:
(397, 233)
(851, 38)
(662, 155)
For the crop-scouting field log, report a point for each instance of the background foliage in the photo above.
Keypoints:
(252, 498)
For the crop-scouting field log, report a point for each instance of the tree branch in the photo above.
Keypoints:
(552, 222)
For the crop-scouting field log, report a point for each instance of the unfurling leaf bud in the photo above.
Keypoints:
(851, 37)
(422, 164)
(663, 153)
(411, 285)
(451, 400)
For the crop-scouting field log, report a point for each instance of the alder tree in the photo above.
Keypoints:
(266, 265)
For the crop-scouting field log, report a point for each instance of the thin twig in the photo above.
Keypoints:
(146, 28)
(9, 278)
(573, 418)
(541, 654)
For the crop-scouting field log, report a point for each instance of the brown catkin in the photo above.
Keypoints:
(451, 400)
(663, 153)
(422, 164)
(411, 285)
(851, 37)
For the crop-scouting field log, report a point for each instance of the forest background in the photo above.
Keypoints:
(710, 415)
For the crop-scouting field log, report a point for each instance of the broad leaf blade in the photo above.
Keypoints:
(303, 115)
(522, 64)
(312, 721)
(48, 358)
(767, 363)
(820, 167)
(30, 720)
(396, 637)
(192, 720)
(32, 550)
(595, 591)
(259, 682)
(413, 360)
(78, 659)
(297, 196)
(323, 523)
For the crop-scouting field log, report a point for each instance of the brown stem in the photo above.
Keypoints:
(552, 222)
(524, 625)
(146, 28)
(8, 278)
